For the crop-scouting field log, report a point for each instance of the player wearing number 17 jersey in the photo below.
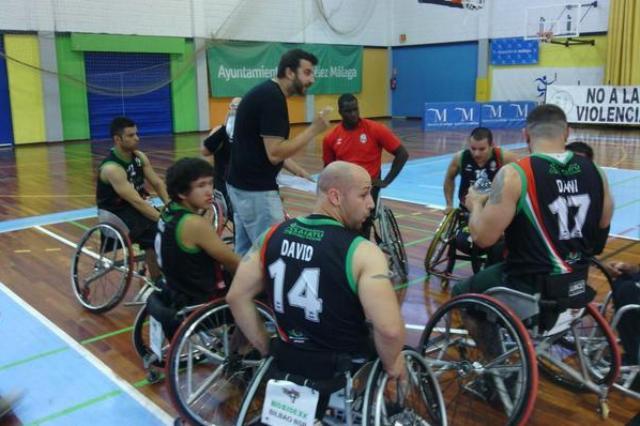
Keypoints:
(323, 280)
(554, 208)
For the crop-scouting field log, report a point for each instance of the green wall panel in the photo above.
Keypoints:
(73, 92)
(184, 90)
(126, 43)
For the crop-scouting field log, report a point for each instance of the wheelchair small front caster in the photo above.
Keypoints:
(153, 376)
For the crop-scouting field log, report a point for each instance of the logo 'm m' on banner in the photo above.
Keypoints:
(447, 115)
(597, 104)
(235, 67)
(467, 115)
(505, 115)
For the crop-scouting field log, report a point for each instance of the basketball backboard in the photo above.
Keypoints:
(558, 21)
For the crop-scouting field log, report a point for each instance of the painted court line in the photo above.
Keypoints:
(124, 387)
(47, 219)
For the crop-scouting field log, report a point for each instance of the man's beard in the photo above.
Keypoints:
(299, 88)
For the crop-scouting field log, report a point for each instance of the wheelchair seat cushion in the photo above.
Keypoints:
(569, 291)
(325, 369)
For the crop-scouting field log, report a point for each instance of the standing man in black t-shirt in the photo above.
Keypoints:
(218, 145)
(261, 144)
(323, 280)
(554, 209)
(120, 188)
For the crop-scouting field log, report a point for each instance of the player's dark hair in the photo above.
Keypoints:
(480, 133)
(546, 121)
(118, 125)
(183, 172)
(580, 147)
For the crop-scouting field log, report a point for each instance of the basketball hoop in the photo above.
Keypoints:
(545, 36)
(473, 4)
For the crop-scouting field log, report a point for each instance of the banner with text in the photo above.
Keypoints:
(531, 83)
(505, 115)
(450, 115)
(597, 104)
(235, 67)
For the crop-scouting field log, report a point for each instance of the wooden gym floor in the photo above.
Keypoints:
(49, 178)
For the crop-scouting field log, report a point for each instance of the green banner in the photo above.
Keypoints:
(235, 67)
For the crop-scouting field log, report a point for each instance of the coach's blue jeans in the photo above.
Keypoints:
(253, 213)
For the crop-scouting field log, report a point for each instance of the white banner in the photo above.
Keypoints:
(597, 104)
(531, 83)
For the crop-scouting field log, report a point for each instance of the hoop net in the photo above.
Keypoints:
(545, 36)
(473, 4)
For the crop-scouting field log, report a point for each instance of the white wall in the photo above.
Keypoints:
(365, 22)
(362, 22)
(428, 24)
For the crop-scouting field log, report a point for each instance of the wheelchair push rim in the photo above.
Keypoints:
(206, 377)
(498, 380)
(102, 268)
(438, 253)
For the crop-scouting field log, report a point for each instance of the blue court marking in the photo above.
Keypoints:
(53, 218)
(67, 387)
(47, 219)
(421, 180)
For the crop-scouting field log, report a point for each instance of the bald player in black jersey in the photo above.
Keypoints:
(554, 208)
(323, 281)
(120, 188)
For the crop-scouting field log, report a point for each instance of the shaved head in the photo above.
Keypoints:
(344, 193)
(337, 175)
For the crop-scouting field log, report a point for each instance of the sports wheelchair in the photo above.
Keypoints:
(387, 234)
(368, 397)
(207, 362)
(443, 250)
(485, 350)
(629, 372)
(105, 263)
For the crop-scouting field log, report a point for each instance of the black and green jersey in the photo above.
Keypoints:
(557, 218)
(470, 171)
(106, 197)
(311, 285)
(188, 270)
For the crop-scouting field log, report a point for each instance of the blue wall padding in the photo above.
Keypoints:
(136, 71)
(434, 73)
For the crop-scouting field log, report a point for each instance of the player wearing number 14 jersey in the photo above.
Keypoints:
(323, 280)
(554, 208)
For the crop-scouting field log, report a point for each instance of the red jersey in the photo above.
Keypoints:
(362, 146)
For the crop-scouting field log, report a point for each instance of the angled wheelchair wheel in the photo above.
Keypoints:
(484, 361)
(438, 260)
(101, 268)
(587, 338)
(210, 364)
(602, 281)
(399, 264)
(420, 402)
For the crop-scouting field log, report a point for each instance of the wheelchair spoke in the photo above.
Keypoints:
(192, 396)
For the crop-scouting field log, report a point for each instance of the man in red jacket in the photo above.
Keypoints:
(361, 141)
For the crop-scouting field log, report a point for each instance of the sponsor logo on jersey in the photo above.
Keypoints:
(363, 138)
